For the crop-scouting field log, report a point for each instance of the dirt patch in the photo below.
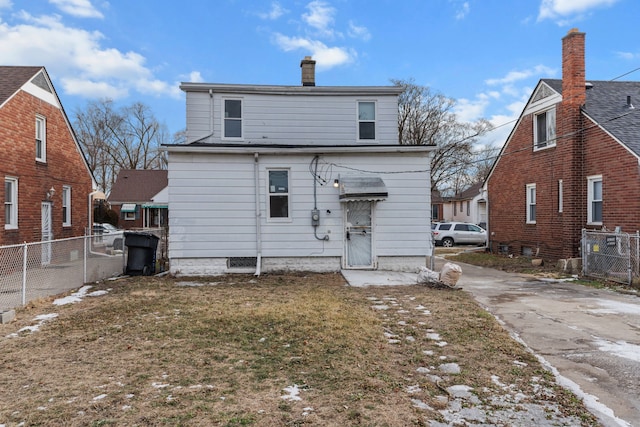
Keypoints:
(278, 350)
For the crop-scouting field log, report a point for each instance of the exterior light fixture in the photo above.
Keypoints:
(336, 183)
(51, 193)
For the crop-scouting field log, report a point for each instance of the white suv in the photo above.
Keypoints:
(449, 233)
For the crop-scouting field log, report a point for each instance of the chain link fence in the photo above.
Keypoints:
(611, 256)
(37, 270)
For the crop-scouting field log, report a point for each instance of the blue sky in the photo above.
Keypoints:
(486, 54)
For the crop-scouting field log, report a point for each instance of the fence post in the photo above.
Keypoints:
(629, 266)
(84, 260)
(24, 274)
(584, 248)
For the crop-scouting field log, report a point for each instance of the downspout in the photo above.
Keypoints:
(256, 177)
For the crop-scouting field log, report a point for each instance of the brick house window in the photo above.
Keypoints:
(531, 203)
(366, 120)
(41, 139)
(66, 205)
(10, 203)
(544, 129)
(594, 200)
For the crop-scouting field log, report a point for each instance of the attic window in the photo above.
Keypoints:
(544, 129)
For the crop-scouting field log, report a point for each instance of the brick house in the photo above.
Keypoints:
(571, 162)
(47, 182)
(139, 197)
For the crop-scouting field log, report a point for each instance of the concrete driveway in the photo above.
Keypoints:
(589, 337)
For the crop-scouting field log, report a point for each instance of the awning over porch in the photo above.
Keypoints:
(356, 188)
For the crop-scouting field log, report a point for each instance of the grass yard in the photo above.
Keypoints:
(276, 350)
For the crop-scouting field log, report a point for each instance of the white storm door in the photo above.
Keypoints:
(47, 233)
(358, 235)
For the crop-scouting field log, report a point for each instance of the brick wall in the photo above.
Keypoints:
(64, 166)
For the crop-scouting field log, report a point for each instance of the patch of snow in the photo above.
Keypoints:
(293, 393)
(616, 307)
(421, 405)
(380, 307)
(433, 336)
(449, 368)
(620, 349)
(413, 389)
(74, 297)
(100, 397)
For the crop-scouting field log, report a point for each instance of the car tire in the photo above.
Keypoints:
(447, 242)
(117, 244)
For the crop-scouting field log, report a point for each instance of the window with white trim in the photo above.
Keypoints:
(594, 200)
(10, 203)
(366, 120)
(531, 203)
(41, 139)
(66, 205)
(544, 129)
(232, 124)
(278, 194)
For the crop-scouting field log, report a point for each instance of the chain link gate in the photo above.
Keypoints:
(611, 256)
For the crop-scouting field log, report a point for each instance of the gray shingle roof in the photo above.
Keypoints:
(607, 105)
(137, 185)
(13, 78)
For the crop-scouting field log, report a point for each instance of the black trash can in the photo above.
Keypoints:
(141, 258)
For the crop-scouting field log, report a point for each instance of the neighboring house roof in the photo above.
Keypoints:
(607, 106)
(13, 78)
(137, 185)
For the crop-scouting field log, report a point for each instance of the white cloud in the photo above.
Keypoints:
(320, 17)
(79, 8)
(463, 11)
(325, 56)
(5, 4)
(77, 58)
(559, 9)
(359, 32)
(518, 75)
(195, 77)
(628, 55)
(274, 13)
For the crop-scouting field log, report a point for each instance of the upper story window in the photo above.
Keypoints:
(232, 125)
(10, 203)
(531, 203)
(366, 120)
(66, 205)
(41, 139)
(279, 193)
(594, 200)
(544, 129)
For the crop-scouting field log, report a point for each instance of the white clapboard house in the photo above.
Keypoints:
(296, 178)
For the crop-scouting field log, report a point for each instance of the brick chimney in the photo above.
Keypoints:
(574, 91)
(308, 66)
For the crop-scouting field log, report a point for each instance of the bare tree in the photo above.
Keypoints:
(427, 118)
(128, 138)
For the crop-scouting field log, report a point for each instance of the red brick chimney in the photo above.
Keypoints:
(574, 91)
(308, 66)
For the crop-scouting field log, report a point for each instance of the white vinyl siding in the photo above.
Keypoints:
(66, 205)
(291, 120)
(594, 200)
(213, 207)
(10, 203)
(544, 129)
(531, 203)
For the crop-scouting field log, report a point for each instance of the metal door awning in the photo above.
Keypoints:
(128, 207)
(356, 188)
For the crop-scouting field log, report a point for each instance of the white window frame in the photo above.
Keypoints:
(271, 191)
(551, 128)
(240, 119)
(66, 206)
(130, 216)
(560, 196)
(41, 138)
(374, 121)
(531, 203)
(12, 205)
(591, 180)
